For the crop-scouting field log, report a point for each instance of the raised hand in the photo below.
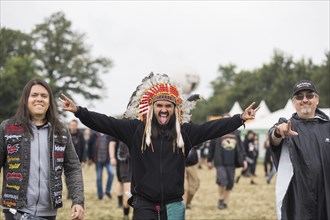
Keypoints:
(68, 104)
(284, 130)
(249, 112)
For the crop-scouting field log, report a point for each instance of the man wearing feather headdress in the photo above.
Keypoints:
(157, 130)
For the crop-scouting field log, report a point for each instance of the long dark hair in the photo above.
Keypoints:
(167, 131)
(22, 113)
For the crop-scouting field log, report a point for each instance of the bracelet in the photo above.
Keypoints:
(243, 121)
(277, 134)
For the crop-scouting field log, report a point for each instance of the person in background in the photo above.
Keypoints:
(226, 153)
(78, 140)
(120, 157)
(157, 131)
(256, 155)
(191, 180)
(301, 152)
(35, 149)
(99, 148)
(87, 134)
(203, 151)
(250, 154)
(268, 164)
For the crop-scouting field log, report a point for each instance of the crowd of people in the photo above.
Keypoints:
(156, 151)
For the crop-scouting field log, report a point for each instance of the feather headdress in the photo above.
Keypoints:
(159, 87)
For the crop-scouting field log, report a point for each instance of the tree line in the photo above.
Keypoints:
(272, 82)
(57, 53)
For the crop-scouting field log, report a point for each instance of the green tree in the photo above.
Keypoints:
(16, 68)
(272, 82)
(13, 43)
(321, 77)
(65, 61)
(15, 74)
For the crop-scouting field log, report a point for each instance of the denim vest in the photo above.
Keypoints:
(15, 156)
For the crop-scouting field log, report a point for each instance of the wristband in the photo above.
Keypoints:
(243, 121)
(277, 134)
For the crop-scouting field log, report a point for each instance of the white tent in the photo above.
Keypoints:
(236, 109)
(263, 111)
(268, 120)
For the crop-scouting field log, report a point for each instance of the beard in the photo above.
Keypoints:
(167, 130)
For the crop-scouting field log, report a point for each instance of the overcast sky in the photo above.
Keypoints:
(176, 36)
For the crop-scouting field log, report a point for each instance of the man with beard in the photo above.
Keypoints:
(301, 152)
(157, 131)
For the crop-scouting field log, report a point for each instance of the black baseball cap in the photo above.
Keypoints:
(303, 85)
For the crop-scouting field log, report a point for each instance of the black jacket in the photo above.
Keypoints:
(307, 195)
(157, 172)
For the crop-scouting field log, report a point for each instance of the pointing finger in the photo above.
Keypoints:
(250, 106)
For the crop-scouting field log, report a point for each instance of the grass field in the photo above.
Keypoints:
(246, 201)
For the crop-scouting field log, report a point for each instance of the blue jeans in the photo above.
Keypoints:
(99, 172)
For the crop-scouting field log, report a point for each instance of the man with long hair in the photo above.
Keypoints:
(35, 149)
(157, 130)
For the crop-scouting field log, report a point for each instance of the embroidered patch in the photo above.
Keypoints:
(16, 129)
(59, 148)
(14, 166)
(9, 203)
(12, 148)
(14, 175)
(10, 159)
(59, 155)
(13, 138)
(13, 187)
(10, 196)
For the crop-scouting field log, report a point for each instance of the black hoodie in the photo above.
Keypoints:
(158, 171)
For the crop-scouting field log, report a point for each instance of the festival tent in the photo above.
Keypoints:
(266, 121)
(236, 109)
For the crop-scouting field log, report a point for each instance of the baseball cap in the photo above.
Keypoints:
(303, 85)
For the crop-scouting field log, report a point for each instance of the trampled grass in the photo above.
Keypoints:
(246, 201)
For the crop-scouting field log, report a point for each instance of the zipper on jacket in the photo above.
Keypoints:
(161, 173)
(38, 174)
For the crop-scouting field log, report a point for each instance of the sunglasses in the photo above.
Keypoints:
(308, 96)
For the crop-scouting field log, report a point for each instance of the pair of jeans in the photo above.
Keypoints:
(99, 175)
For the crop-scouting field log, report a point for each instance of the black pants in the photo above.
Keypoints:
(10, 216)
(146, 210)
